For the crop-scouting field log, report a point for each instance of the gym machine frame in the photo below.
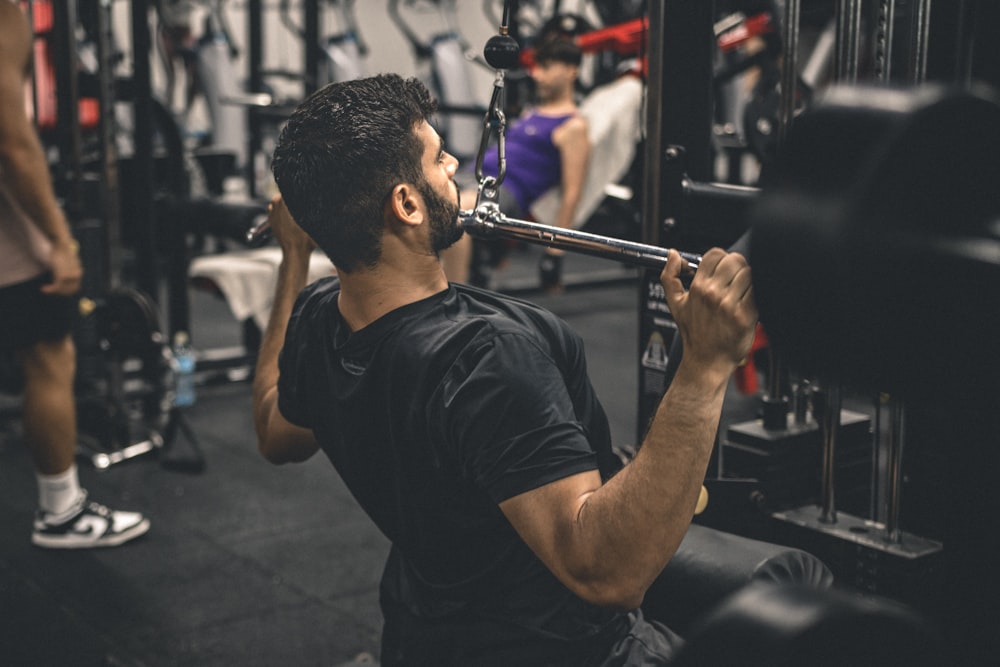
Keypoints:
(676, 45)
(82, 193)
(680, 148)
(122, 316)
(887, 536)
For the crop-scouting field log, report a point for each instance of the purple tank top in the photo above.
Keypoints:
(533, 164)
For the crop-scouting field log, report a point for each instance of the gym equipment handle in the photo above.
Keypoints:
(487, 221)
(260, 232)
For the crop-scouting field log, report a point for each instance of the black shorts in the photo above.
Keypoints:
(29, 316)
(648, 644)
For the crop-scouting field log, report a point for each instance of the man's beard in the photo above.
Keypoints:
(443, 216)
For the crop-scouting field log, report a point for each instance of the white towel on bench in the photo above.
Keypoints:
(246, 278)
(614, 122)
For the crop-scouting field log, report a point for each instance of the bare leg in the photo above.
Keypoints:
(168, 55)
(193, 82)
(48, 407)
(49, 411)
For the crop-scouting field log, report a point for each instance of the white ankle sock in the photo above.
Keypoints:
(57, 493)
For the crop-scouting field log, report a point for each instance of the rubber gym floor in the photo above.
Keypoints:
(246, 563)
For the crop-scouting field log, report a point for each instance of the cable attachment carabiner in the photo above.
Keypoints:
(494, 121)
(502, 52)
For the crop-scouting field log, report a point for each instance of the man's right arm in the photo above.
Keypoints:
(278, 440)
(23, 167)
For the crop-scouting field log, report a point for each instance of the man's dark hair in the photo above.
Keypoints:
(557, 48)
(342, 152)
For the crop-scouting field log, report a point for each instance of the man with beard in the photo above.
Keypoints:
(546, 147)
(463, 421)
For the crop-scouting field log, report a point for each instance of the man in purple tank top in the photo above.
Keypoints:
(547, 147)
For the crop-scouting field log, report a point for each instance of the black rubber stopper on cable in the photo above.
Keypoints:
(502, 52)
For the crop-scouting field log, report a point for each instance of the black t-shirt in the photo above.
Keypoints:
(433, 415)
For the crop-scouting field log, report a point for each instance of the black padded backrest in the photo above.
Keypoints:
(766, 625)
(712, 564)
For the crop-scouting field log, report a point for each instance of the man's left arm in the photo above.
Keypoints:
(574, 150)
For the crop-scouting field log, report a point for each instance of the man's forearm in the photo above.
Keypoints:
(292, 276)
(278, 440)
(655, 495)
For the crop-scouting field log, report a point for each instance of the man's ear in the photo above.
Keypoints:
(406, 204)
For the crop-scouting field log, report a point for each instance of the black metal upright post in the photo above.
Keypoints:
(70, 169)
(653, 144)
(965, 41)
(679, 111)
(920, 21)
(109, 177)
(687, 93)
(255, 58)
(848, 41)
(514, 94)
(147, 274)
(68, 179)
(984, 17)
(310, 45)
(775, 403)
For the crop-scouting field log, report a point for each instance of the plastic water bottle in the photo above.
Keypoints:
(184, 364)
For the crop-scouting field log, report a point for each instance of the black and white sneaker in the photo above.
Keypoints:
(87, 525)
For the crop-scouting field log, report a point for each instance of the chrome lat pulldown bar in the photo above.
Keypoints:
(486, 221)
